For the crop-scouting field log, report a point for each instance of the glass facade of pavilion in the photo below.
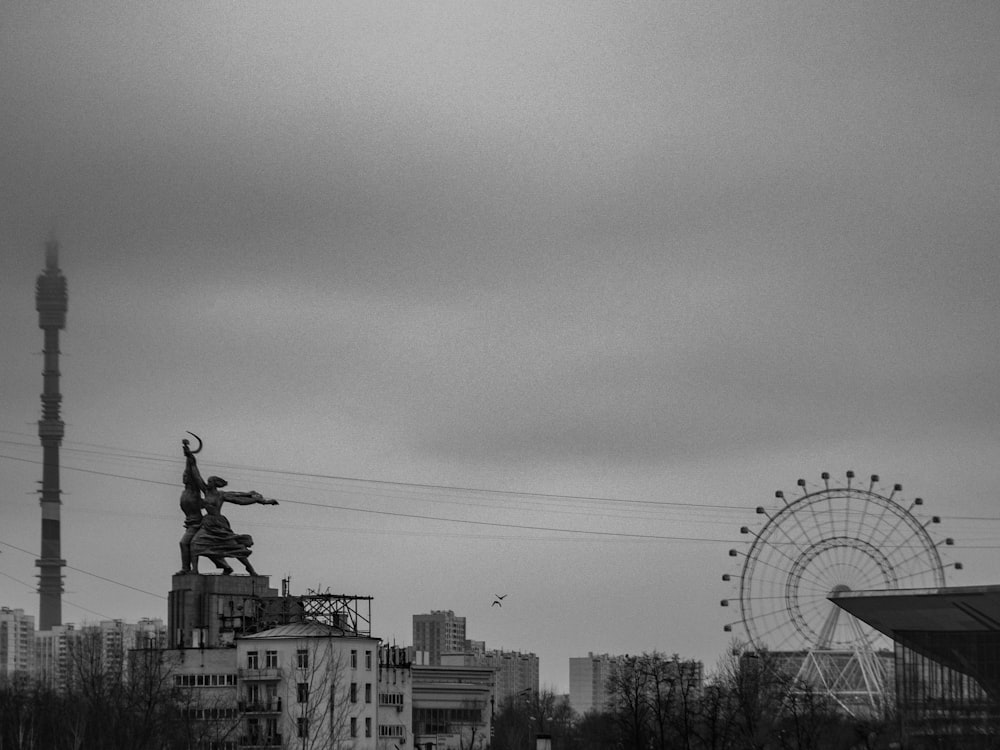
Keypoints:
(948, 689)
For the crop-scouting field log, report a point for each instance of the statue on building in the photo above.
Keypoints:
(190, 503)
(207, 532)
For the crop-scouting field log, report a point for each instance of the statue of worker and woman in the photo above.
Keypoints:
(207, 532)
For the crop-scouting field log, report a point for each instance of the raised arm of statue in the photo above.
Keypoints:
(192, 476)
(246, 498)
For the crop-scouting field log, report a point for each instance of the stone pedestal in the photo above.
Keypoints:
(207, 611)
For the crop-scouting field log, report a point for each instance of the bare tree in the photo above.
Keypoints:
(117, 698)
(511, 725)
(808, 720)
(662, 686)
(205, 720)
(713, 726)
(756, 688)
(471, 735)
(18, 715)
(673, 693)
(655, 700)
(561, 722)
(628, 688)
(523, 717)
(595, 730)
(319, 697)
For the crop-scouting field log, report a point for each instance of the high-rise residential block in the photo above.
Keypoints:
(17, 643)
(588, 677)
(515, 674)
(440, 632)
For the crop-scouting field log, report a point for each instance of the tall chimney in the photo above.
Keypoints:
(50, 301)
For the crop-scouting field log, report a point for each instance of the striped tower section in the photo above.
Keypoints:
(50, 301)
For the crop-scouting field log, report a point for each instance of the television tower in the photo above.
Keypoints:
(50, 301)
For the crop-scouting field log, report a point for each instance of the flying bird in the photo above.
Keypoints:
(498, 602)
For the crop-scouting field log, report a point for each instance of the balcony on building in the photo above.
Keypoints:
(251, 742)
(272, 706)
(268, 674)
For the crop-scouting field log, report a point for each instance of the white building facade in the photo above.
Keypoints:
(395, 698)
(308, 685)
(453, 707)
(17, 643)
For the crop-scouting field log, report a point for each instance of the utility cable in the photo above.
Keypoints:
(86, 572)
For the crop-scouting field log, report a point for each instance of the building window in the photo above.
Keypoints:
(302, 692)
(368, 727)
(302, 658)
(253, 660)
(204, 680)
(271, 659)
(303, 726)
(354, 726)
(354, 658)
(253, 730)
(438, 720)
(368, 692)
(368, 659)
(354, 692)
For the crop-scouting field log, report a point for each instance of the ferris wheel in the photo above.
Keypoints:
(830, 539)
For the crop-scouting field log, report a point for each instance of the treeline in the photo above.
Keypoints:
(656, 703)
(103, 702)
(37, 718)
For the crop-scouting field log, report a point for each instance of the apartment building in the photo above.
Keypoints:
(17, 643)
(437, 633)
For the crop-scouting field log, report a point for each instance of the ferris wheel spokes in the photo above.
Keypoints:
(829, 539)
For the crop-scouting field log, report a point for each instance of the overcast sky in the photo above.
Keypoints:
(676, 254)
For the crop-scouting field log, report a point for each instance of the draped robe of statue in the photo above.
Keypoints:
(215, 536)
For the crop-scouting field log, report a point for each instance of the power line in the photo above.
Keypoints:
(93, 471)
(451, 488)
(17, 580)
(64, 599)
(114, 452)
(408, 486)
(85, 572)
(380, 482)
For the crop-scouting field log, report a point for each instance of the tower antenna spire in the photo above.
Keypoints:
(51, 303)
